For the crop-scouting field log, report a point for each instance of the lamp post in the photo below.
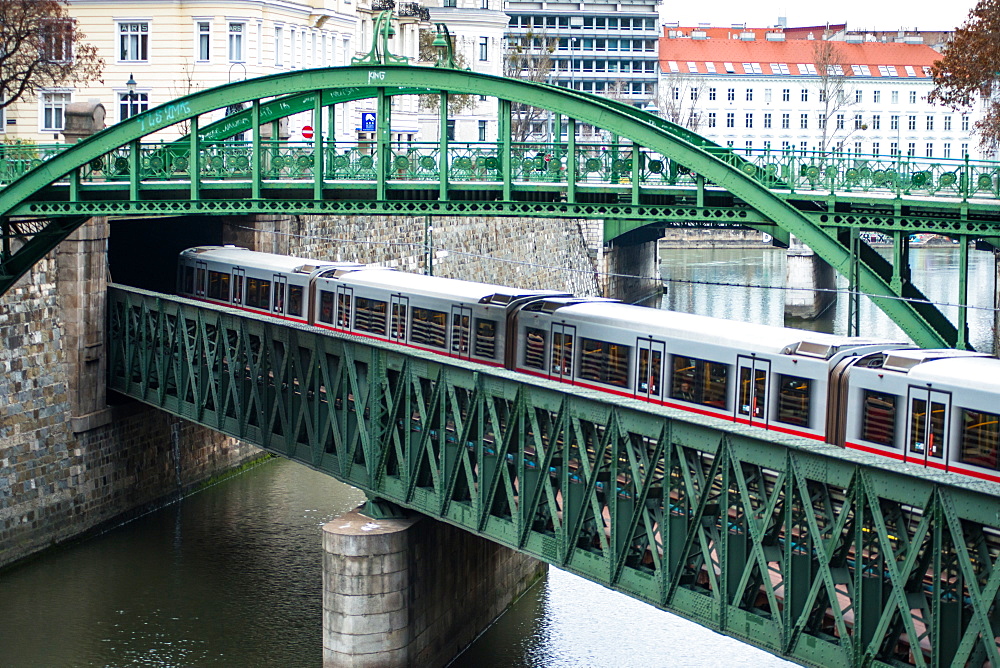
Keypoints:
(131, 96)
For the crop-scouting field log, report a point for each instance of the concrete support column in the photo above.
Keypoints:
(82, 274)
(813, 281)
(631, 268)
(412, 592)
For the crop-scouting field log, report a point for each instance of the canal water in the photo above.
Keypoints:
(231, 576)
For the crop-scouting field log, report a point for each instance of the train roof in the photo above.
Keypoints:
(704, 329)
(246, 258)
(971, 371)
(436, 286)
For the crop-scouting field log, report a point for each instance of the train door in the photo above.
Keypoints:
(461, 332)
(398, 307)
(239, 278)
(649, 369)
(202, 278)
(280, 288)
(345, 300)
(752, 390)
(927, 418)
(563, 338)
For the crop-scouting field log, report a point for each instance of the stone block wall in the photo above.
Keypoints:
(69, 463)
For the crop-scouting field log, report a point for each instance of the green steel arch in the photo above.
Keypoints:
(922, 322)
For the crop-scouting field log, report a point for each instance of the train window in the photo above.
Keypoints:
(927, 434)
(200, 284)
(534, 348)
(980, 438)
(562, 353)
(344, 310)
(428, 327)
(189, 280)
(369, 315)
(699, 381)
(218, 286)
(295, 293)
(793, 400)
(648, 373)
(604, 362)
(460, 334)
(326, 306)
(398, 321)
(878, 423)
(252, 292)
(486, 338)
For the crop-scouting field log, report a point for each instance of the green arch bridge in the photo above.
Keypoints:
(650, 173)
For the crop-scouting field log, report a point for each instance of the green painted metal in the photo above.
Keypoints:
(524, 182)
(824, 556)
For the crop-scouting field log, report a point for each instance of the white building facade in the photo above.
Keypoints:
(759, 94)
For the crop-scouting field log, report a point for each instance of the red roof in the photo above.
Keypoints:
(873, 58)
(716, 32)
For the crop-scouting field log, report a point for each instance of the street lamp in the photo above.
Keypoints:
(132, 97)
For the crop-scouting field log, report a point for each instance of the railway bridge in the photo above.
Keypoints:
(822, 556)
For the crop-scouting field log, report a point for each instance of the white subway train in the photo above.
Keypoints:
(934, 408)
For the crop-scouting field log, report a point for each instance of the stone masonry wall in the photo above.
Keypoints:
(517, 252)
(68, 462)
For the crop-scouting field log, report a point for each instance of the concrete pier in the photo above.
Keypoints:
(813, 280)
(412, 592)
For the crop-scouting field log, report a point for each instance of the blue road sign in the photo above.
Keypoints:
(368, 121)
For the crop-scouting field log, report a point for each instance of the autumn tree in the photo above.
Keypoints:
(528, 57)
(970, 70)
(835, 94)
(41, 48)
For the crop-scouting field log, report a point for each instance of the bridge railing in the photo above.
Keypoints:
(597, 163)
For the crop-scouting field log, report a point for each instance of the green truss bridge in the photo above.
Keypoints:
(648, 172)
(824, 556)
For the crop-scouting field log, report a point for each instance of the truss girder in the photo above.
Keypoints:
(724, 169)
(826, 557)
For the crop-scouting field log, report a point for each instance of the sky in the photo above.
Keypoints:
(873, 15)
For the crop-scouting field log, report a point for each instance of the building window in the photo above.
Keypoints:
(53, 110)
(895, 97)
(965, 150)
(675, 93)
(279, 46)
(947, 123)
(711, 94)
(749, 94)
(57, 40)
(694, 94)
(875, 149)
(484, 48)
(130, 104)
(857, 147)
(711, 119)
(204, 36)
(804, 121)
(749, 120)
(929, 150)
(821, 122)
(965, 123)
(894, 122)
(482, 130)
(805, 94)
(786, 94)
(877, 96)
(857, 96)
(730, 120)
(451, 130)
(767, 95)
(731, 94)
(893, 149)
(911, 122)
(767, 120)
(749, 148)
(291, 43)
(822, 96)
(930, 122)
(911, 149)
(857, 121)
(913, 97)
(236, 42)
(840, 121)
(785, 121)
(876, 122)
(133, 40)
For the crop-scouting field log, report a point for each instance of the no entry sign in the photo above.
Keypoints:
(307, 132)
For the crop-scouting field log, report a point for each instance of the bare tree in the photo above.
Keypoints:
(678, 100)
(427, 52)
(528, 58)
(835, 94)
(40, 47)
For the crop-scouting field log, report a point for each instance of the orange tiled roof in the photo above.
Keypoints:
(716, 32)
(875, 58)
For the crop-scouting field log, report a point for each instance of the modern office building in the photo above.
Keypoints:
(763, 91)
